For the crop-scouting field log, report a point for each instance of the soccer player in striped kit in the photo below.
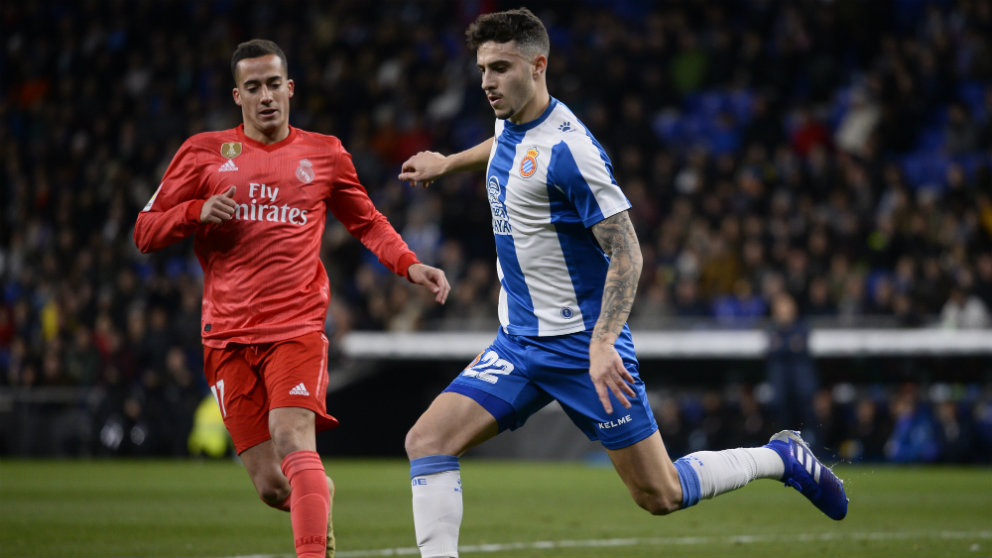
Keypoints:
(256, 197)
(568, 262)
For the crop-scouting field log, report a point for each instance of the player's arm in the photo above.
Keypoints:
(427, 166)
(617, 238)
(350, 203)
(178, 209)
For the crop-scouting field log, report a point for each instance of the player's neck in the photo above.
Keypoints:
(266, 138)
(534, 109)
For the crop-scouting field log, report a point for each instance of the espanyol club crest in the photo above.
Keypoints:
(528, 165)
(304, 172)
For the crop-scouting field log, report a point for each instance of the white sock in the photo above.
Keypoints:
(437, 513)
(726, 470)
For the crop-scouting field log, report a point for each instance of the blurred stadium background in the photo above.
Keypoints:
(835, 151)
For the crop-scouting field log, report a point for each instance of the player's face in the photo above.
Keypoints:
(263, 92)
(510, 80)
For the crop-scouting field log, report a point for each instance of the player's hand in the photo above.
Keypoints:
(422, 169)
(432, 278)
(219, 208)
(609, 375)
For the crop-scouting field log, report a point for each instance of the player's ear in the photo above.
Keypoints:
(540, 65)
(237, 96)
(290, 86)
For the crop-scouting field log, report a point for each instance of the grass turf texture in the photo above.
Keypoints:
(208, 509)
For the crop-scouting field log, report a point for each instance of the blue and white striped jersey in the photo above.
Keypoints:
(548, 182)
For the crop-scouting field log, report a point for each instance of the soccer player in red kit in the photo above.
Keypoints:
(256, 197)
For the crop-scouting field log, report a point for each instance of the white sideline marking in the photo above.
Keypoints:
(663, 541)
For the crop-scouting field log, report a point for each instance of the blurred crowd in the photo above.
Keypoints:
(903, 423)
(838, 152)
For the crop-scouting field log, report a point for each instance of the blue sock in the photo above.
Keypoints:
(689, 480)
(433, 464)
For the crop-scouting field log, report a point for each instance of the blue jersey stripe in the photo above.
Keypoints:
(519, 304)
(564, 173)
(587, 266)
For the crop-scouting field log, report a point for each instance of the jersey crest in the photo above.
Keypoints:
(304, 172)
(528, 165)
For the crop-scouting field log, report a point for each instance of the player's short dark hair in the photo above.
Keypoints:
(255, 48)
(520, 25)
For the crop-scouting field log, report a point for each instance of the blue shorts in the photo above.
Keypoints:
(518, 375)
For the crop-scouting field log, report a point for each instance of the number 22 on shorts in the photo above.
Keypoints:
(488, 367)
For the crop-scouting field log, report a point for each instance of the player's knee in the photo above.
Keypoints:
(422, 442)
(416, 443)
(658, 504)
(274, 495)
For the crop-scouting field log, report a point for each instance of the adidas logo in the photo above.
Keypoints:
(229, 166)
(806, 460)
(300, 389)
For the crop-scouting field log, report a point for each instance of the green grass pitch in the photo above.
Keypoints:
(208, 509)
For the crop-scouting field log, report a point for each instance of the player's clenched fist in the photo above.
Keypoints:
(219, 208)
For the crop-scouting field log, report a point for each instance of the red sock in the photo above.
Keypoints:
(309, 502)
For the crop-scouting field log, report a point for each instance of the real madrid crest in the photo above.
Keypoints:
(304, 172)
(230, 149)
(528, 165)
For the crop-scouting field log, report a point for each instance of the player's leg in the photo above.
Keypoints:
(264, 468)
(661, 486)
(452, 424)
(241, 396)
(649, 475)
(631, 435)
(492, 394)
(295, 376)
(294, 440)
(234, 378)
(262, 465)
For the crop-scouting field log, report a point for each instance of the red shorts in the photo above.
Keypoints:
(249, 380)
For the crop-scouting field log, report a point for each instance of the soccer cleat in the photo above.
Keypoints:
(331, 543)
(805, 473)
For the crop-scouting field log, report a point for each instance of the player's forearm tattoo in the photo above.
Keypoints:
(617, 238)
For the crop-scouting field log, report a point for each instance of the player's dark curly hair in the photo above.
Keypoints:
(520, 25)
(254, 49)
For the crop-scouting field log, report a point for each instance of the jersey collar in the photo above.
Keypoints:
(528, 125)
(266, 146)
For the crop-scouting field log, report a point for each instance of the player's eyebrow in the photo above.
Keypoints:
(495, 63)
(269, 79)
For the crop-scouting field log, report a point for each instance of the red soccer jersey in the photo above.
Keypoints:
(263, 278)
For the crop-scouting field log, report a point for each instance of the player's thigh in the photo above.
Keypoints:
(240, 394)
(295, 375)
(499, 379)
(292, 429)
(561, 369)
(452, 424)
